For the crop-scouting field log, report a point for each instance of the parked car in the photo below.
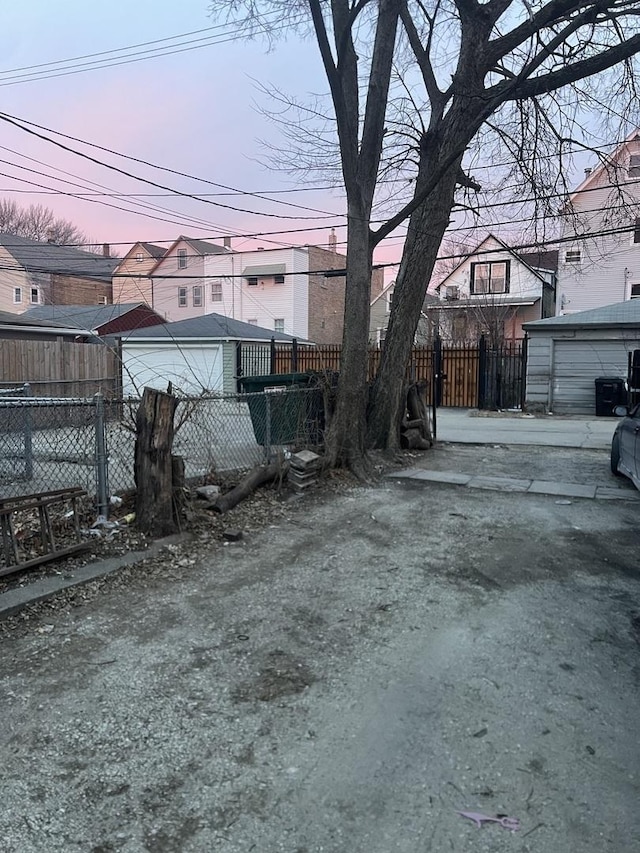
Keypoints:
(625, 444)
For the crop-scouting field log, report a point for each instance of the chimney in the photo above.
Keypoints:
(106, 249)
(333, 241)
(587, 172)
(226, 242)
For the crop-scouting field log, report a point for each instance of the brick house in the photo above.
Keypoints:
(37, 273)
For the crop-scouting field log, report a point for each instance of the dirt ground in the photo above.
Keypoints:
(345, 679)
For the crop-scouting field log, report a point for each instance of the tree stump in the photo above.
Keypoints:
(153, 463)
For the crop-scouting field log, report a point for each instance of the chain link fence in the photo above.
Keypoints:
(58, 443)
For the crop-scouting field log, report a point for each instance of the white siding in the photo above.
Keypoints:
(10, 279)
(609, 264)
(522, 283)
(266, 302)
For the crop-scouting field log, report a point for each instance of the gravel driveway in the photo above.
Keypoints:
(344, 681)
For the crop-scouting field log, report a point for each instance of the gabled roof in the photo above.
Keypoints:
(210, 327)
(82, 316)
(519, 258)
(595, 174)
(200, 247)
(383, 292)
(153, 250)
(36, 256)
(618, 314)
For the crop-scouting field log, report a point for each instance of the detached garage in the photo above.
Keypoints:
(196, 355)
(567, 354)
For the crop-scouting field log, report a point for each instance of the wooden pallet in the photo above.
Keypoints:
(43, 503)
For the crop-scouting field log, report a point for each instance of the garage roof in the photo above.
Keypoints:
(620, 314)
(210, 327)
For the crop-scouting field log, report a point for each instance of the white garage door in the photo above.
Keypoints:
(576, 366)
(190, 369)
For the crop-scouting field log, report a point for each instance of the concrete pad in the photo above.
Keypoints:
(443, 477)
(499, 484)
(565, 490)
(613, 494)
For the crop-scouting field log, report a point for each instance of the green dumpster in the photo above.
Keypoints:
(282, 410)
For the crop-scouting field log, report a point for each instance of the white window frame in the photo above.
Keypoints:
(17, 296)
(182, 297)
(278, 325)
(34, 291)
(573, 256)
(490, 282)
(216, 291)
(389, 300)
(139, 258)
(634, 166)
(278, 279)
(252, 281)
(196, 296)
(182, 259)
(631, 286)
(252, 322)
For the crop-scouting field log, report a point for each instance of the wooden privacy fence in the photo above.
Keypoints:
(471, 376)
(59, 368)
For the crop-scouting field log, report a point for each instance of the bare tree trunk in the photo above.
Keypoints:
(426, 229)
(345, 440)
(153, 463)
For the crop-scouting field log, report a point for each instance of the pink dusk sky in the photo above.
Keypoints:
(195, 111)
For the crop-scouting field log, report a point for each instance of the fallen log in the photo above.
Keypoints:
(260, 475)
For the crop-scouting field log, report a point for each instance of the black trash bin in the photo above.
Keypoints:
(610, 392)
(294, 411)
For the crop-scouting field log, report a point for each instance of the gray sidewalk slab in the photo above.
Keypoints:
(566, 490)
(499, 484)
(514, 484)
(466, 426)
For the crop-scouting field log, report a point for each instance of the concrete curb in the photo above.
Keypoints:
(16, 599)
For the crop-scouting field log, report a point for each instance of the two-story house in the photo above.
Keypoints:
(36, 273)
(493, 291)
(131, 279)
(600, 256)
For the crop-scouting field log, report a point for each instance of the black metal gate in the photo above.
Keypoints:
(501, 374)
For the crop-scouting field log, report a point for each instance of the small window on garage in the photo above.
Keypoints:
(182, 297)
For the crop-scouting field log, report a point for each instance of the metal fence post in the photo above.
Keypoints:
(102, 481)
(294, 355)
(28, 435)
(267, 426)
(272, 356)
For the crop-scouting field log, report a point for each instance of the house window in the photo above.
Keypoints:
(278, 325)
(35, 296)
(182, 259)
(635, 291)
(634, 166)
(252, 322)
(17, 295)
(573, 256)
(139, 258)
(102, 300)
(389, 300)
(216, 291)
(381, 335)
(490, 277)
(252, 281)
(182, 297)
(197, 296)
(278, 279)
(636, 231)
